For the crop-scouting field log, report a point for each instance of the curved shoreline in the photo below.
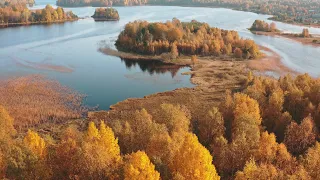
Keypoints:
(306, 41)
(270, 63)
(296, 24)
(137, 57)
(211, 76)
(7, 25)
(202, 6)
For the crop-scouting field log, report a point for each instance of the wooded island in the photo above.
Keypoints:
(106, 14)
(175, 38)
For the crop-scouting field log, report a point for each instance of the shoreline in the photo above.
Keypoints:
(211, 79)
(270, 63)
(104, 19)
(306, 41)
(296, 23)
(138, 57)
(210, 6)
(36, 23)
(211, 76)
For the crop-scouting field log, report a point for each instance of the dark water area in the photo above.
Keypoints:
(69, 52)
(153, 67)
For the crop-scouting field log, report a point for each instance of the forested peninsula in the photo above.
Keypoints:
(13, 2)
(19, 14)
(263, 28)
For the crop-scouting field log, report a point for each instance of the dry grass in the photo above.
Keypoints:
(293, 36)
(303, 40)
(212, 77)
(270, 62)
(34, 99)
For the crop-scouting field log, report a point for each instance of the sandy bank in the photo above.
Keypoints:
(6, 25)
(294, 37)
(270, 62)
(296, 23)
(211, 76)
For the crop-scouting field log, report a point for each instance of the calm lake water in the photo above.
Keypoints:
(69, 52)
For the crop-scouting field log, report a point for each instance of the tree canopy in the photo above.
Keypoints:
(259, 25)
(20, 14)
(184, 38)
(107, 14)
(269, 129)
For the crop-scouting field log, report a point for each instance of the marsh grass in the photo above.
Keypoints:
(34, 99)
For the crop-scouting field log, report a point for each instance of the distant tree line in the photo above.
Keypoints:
(98, 3)
(292, 11)
(20, 14)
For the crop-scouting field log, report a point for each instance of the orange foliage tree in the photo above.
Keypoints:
(138, 167)
(100, 152)
(193, 161)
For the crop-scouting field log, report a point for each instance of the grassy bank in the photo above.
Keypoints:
(314, 41)
(212, 76)
(5, 25)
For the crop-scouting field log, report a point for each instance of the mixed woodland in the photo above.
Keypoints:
(19, 14)
(267, 130)
(175, 38)
(106, 14)
(259, 25)
(13, 2)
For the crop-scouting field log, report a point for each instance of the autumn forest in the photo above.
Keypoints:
(242, 114)
(268, 130)
(20, 14)
(184, 38)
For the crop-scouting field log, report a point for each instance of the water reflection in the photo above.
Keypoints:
(152, 66)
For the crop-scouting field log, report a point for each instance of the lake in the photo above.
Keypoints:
(69, 52)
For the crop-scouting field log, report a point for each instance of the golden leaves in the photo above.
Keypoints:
(138, 167)
(193, 161)
(35, 143)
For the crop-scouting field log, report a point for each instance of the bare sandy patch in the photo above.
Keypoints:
(293, 37)
(41, 65)
(270, 62)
